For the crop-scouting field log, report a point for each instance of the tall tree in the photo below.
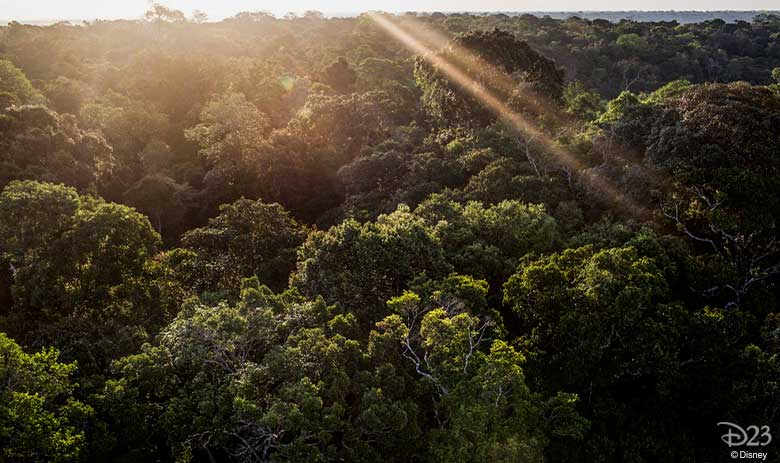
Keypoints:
(494, 61)
(83, 269)
(15, 84)
(37, 143)
(248, 238)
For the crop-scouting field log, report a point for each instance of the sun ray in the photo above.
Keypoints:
(512, 119)
(463, 58)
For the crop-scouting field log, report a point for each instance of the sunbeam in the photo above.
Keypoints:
(512, 119)
(463, 59)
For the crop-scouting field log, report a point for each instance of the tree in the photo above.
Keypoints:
(160, 13)
(199, 17)
(231, 135)
(229, 130)
(40, 420)
(83, 270)
(65, 95)
(163, 200)
(720, 195)
(379, 74)
(488, 242)
(586, 104)
(578, 306)
(671, 90)
(37, 143)
(14, 83)
(327, 133)
(157, 158)
(362, 266)
(339, 75)
(633, 43)
(45, 212)
(483, 408)
(248, 238)
(496, 61)
(346, 124)
(129, 128)
(608, 325)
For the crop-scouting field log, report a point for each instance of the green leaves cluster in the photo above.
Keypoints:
(40, 420)
(80, 267)
(247, 238)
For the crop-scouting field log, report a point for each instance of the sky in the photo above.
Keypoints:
(217, 9)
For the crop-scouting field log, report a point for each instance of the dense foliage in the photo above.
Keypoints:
(433, 238)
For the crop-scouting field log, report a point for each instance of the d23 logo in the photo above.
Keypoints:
(752, 436)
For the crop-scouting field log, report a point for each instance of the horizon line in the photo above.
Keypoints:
(338, 14)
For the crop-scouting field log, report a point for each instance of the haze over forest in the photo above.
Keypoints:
(683, 16)
(390, 238)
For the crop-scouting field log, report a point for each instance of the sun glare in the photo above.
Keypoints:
(421, 41)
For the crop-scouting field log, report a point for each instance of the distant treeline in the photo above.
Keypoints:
(682, 17)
